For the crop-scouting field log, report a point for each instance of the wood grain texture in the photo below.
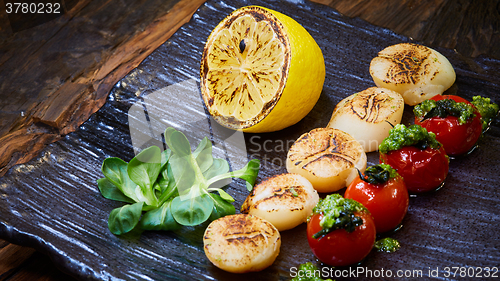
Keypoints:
(470, 27)
(22, 263)
(12, 257)
(55, 75)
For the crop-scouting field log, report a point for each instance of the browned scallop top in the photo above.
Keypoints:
(408, 63)
(373, 105)
(325, 150)
(243, 229)
(284, 191)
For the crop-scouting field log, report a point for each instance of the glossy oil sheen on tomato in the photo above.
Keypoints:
(456, 138)
(387, 202)
(339, 247)
(422, 169)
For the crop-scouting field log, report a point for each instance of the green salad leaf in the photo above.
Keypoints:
(170, 189)
(110, 191)
(247, 173)
(160, 219)
(222, 207)
(124, 219)
(193, 211)
(144, 170)
(115, 171)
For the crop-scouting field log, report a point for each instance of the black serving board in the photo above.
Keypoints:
(52, 203)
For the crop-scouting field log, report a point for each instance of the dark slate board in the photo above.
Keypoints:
(52, 203)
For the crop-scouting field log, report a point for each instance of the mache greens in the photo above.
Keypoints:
(170, 189)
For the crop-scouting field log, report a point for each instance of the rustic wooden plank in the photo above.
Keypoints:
(36, 267)
(474, 29)
(11, 257)
(470, 27)
(91, 48)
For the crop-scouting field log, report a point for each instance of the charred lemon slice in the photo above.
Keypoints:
(285, 200)
(259, 66)
(327, 157)
(415, 71)
(368, 115)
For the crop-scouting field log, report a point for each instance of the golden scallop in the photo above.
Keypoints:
(327, 157)
(241, 243)
(416, 72)
(368, 115)
(285, 200)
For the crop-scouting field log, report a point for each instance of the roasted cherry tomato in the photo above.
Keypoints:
(417, 156)
(344, 239)
(383, 192)
(457, 126)
(422, 169)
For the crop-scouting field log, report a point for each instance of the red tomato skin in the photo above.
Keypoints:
(456, 138)
(387, 202)
(339, 247)
(453, 97)
(422, 169)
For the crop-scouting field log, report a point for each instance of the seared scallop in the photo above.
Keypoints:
(327, 157)
(368, 115)
(284, 200)
(241, 243)
(416, 72)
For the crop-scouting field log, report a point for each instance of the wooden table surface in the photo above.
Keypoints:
(73, 61)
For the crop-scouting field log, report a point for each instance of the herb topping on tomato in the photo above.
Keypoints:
(340, 231)
(487, 109)
(338, 213)
(455, 121)
(383, 192)
(417, 156)
(444, 108)
(414, 135)
(378, 174)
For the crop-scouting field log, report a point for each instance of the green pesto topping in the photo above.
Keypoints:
(389, 245)
(338, 213)
(309, 272)
(444, 108)
(414, 135)
(487, 109)
(378, 174)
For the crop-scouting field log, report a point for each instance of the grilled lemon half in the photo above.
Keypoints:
(261, 71)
